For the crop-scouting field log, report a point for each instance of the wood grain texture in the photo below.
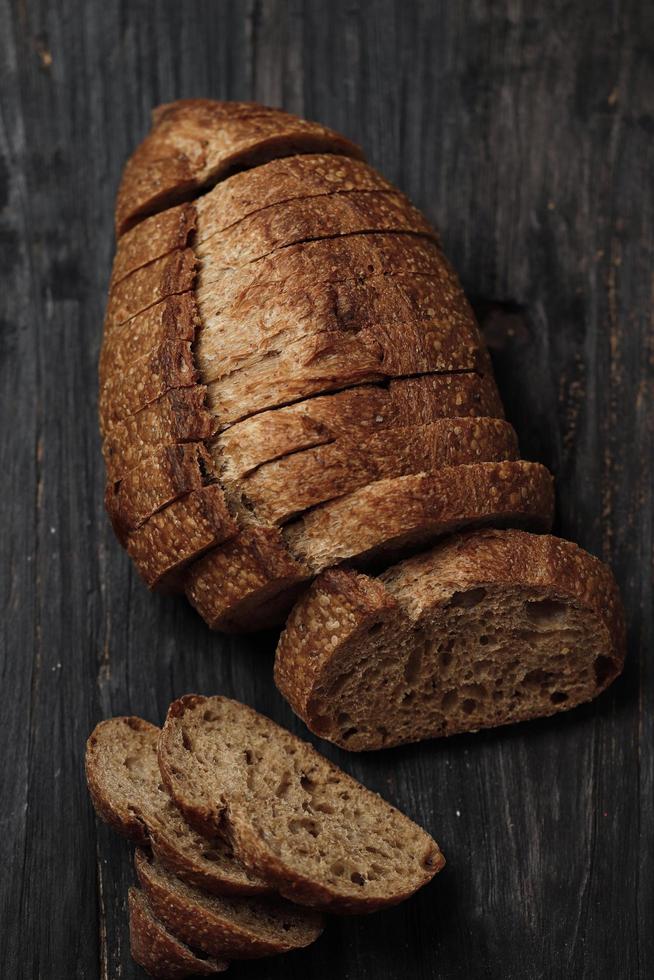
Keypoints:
(524, 130)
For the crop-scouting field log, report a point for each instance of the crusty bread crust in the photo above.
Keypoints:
(178, 534)
(156, 481)
(152, 239)
(350, 608)
(247, 584)
(278, 492)
(211, 750)
(178, 416)
(225, 926)
(386, 517)
(174, 318)
(355, 413)
(161, 954)
(167, 276)
(194, 142)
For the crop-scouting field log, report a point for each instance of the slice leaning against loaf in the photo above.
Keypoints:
(355, 413)
(488, 628)
(125, 786)
(158, 951)
(195, 142)
(279, 491)
(223, 925)
(383, 519)
(318, 834)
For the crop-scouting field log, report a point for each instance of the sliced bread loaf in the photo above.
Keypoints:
(356, 413)
(316, 833)
(195, 142)
(487, 628)
(223, 925)
(125, 785)
(158, 951)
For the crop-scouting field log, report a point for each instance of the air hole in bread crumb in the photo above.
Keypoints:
(466, 600)
(413, 664)
(342, 718)
(186, 741)
(248, 757)
(468, 705)
(544, 610)
(374, 629)
(558, 697)
(349, 733)
(604, 669)
(449, 699)
(357, 879)
(210, 715)
(538, 678)
(338, 869)
(483, 640)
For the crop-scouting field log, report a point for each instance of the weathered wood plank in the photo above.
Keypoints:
(525, 132)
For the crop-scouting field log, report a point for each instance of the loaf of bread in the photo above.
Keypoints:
(290, 376)
(487, 628)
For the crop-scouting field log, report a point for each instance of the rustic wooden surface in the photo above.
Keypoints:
(525, 130)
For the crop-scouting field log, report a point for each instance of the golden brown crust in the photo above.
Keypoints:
(168, 474)
(193, 143)
(168, 276)
(153, 238)
(179, 416)
(225, 927)
(285, 179)
(391, 515)
(175, 318)
(414, 590)
(247, 584)
(180, 533)
(146, 379)
(279, 491)
(356, 413)
(157, 950)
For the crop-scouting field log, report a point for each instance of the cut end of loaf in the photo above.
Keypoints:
(490, 628)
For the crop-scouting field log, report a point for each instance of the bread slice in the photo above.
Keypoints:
(178, 534)
(177, 417)
(279, 491)
(307, 219)
(311, 175)
(247, 584)
(488, 628)
(421, 309)
(224, 925)
(195, 142)
(357, 413)
(346, 258)
(124, 781)
(314, 831)
(386, 519)
(170, 473)
(332, 361)
(161, 954)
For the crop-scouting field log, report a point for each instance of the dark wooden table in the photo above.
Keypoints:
(526, 131)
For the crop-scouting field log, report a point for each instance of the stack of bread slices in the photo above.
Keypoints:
(245, 835)
(293, 382)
